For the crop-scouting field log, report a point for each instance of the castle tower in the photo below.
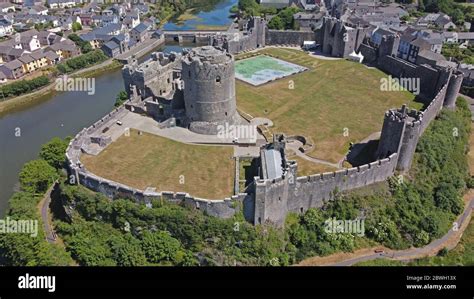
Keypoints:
(339, 39)
(389, 45)
(209, 89)
(454, 85)
(400, 133)
(392, 133)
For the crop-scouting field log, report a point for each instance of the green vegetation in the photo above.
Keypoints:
(53, 152)
(166, 9)
(121, 97)
(44, 26)
(461, 255)
(81, 61)
(164, 234)
(36, 176)
(76, 26)
(23, 86)
(458, 12)
(20, 249)
(465, 55)
(284, 19)
(85, 46)
(249, 7)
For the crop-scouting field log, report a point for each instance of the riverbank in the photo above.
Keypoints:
(44, 93)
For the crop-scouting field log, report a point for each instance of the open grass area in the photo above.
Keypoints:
(306, 167)
(147, 160)
(332, 97)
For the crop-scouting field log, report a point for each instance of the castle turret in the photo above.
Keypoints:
(339, 39)
(389, 45)
(400, 133)
(454, 86)
(209, 89)
(392, 132)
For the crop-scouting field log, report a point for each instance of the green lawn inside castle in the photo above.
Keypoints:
(144, 160)
(333, 97)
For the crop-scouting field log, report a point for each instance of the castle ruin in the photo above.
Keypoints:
(196, 89)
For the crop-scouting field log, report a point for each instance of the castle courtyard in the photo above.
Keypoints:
(146, 160)
(333, 103)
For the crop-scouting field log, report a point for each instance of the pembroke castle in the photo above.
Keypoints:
(196, 90)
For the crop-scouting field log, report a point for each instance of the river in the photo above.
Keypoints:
(22, 132)
(206, 17)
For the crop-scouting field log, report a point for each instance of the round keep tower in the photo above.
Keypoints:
(209, 89)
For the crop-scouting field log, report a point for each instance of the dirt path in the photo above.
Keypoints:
(449, 240)
(43, 207)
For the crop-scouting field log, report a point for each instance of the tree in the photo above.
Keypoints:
(447, 198)
(127, 252)
(36, 176)
(121, 97)
(276, 23)
(76, 26)
(249, 7)
(84, 45)
(160, 247)
(54, 151)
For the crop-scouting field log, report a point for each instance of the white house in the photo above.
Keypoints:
(61, 3)
(30, 43)
(6, 28)
(7, 7)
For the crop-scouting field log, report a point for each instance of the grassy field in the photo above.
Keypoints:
(306, 167)
(147, 160)
(331, 98)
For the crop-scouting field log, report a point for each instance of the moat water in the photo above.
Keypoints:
(23, 131)
(205, 17)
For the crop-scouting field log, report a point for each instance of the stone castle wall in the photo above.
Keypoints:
(339, 39)
(274, 199)
(430, 78)
(236, 42)
(288, 37)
